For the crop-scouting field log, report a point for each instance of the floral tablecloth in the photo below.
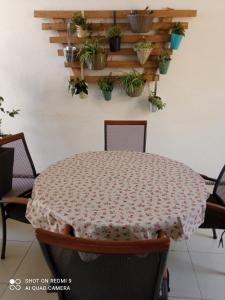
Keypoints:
(119, 195)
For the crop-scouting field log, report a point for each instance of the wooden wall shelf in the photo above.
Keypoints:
(101, 21)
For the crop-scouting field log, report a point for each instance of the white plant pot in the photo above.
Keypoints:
(143, 55)
(82, 95)
(81, 33)
(152, 108)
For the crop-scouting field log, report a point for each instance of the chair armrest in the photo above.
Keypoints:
(15, 200)
(207, 178)
(215, 207)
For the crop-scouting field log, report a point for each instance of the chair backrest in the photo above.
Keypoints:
(124, 269)
(23, 167)
(125, 135)
(219, 188)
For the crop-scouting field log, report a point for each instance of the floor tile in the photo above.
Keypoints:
(18, 231)
(202, 241)
(2, 289)
(34, 265)
(28, 295)
(210, 271)
(178, 246)
(15, 252)
(182, 276)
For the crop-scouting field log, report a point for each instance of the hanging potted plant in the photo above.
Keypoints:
(114, 37)
(140, 21)
(143, 50)
(106, 85)
(70, 52)
(78, 87)
(178, 32)
(93, 55)
(133, 83)
(80, 26)
(164, 61)
(6, 156)
(155, 102)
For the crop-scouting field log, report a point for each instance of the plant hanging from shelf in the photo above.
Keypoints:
(133, 83)
(114, 36)
(178, 32)
(143, 50)
(10, 113)
(140, 21)
(106, 85)
(155, 101)
(93, 55)
(70, 52)
(78, 87)
(164, 61)
(80, 26)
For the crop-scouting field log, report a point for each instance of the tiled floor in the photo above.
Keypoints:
(197, 266)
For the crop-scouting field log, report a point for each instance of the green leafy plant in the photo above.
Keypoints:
(89, 49)
(132, 81)
(106, 83)
(178, 29)
(156, 101)
(143, 45)
(10, 113)
(164, 56)
(78, 20)
(78, 86)
(114, 31)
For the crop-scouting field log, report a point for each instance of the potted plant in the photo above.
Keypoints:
(140, 21)
(178, 32)
(6, 156)
(155, 102)
(93, 55)
(143, 50)
(78, 87)
(106, 85)
(80, 26)
(70, 52)
(114, 37)
(133, 83)
(164, 61)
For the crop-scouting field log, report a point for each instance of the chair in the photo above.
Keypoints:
(125, 135)
(24, 174)
(125, 269)
(215, 209)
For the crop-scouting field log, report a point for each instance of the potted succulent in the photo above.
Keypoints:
(133, 83)
(114, 37)
(6, 156)
(78, 87)
(93, 55)
(106, 85)
(143, 50)
(80, 26)
(140, 21)
(164, 61)
(178, 32)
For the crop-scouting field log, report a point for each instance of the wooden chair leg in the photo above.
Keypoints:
(3, 232)
(214, 233)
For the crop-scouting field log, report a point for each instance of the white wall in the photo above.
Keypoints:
(32, 78)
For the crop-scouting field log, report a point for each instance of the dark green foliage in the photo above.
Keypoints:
(106, 83)
(78, 20)
(164, 55)
(114, 31)
(178, 29)
(77, 86)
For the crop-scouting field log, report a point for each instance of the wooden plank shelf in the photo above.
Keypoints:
(131, 38)
(120, 64)
(124, 52)
(105, 26)
(101, 21)
(95, 14)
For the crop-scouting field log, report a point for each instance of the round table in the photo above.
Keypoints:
(119, 195)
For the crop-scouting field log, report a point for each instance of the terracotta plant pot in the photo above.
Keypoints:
(140, 23)
(143, 55)
(99, 61)
(114, 43)
(81, 33)
(6, 170)
(136, 93)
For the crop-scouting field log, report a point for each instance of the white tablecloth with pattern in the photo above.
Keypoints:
(119, 195)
